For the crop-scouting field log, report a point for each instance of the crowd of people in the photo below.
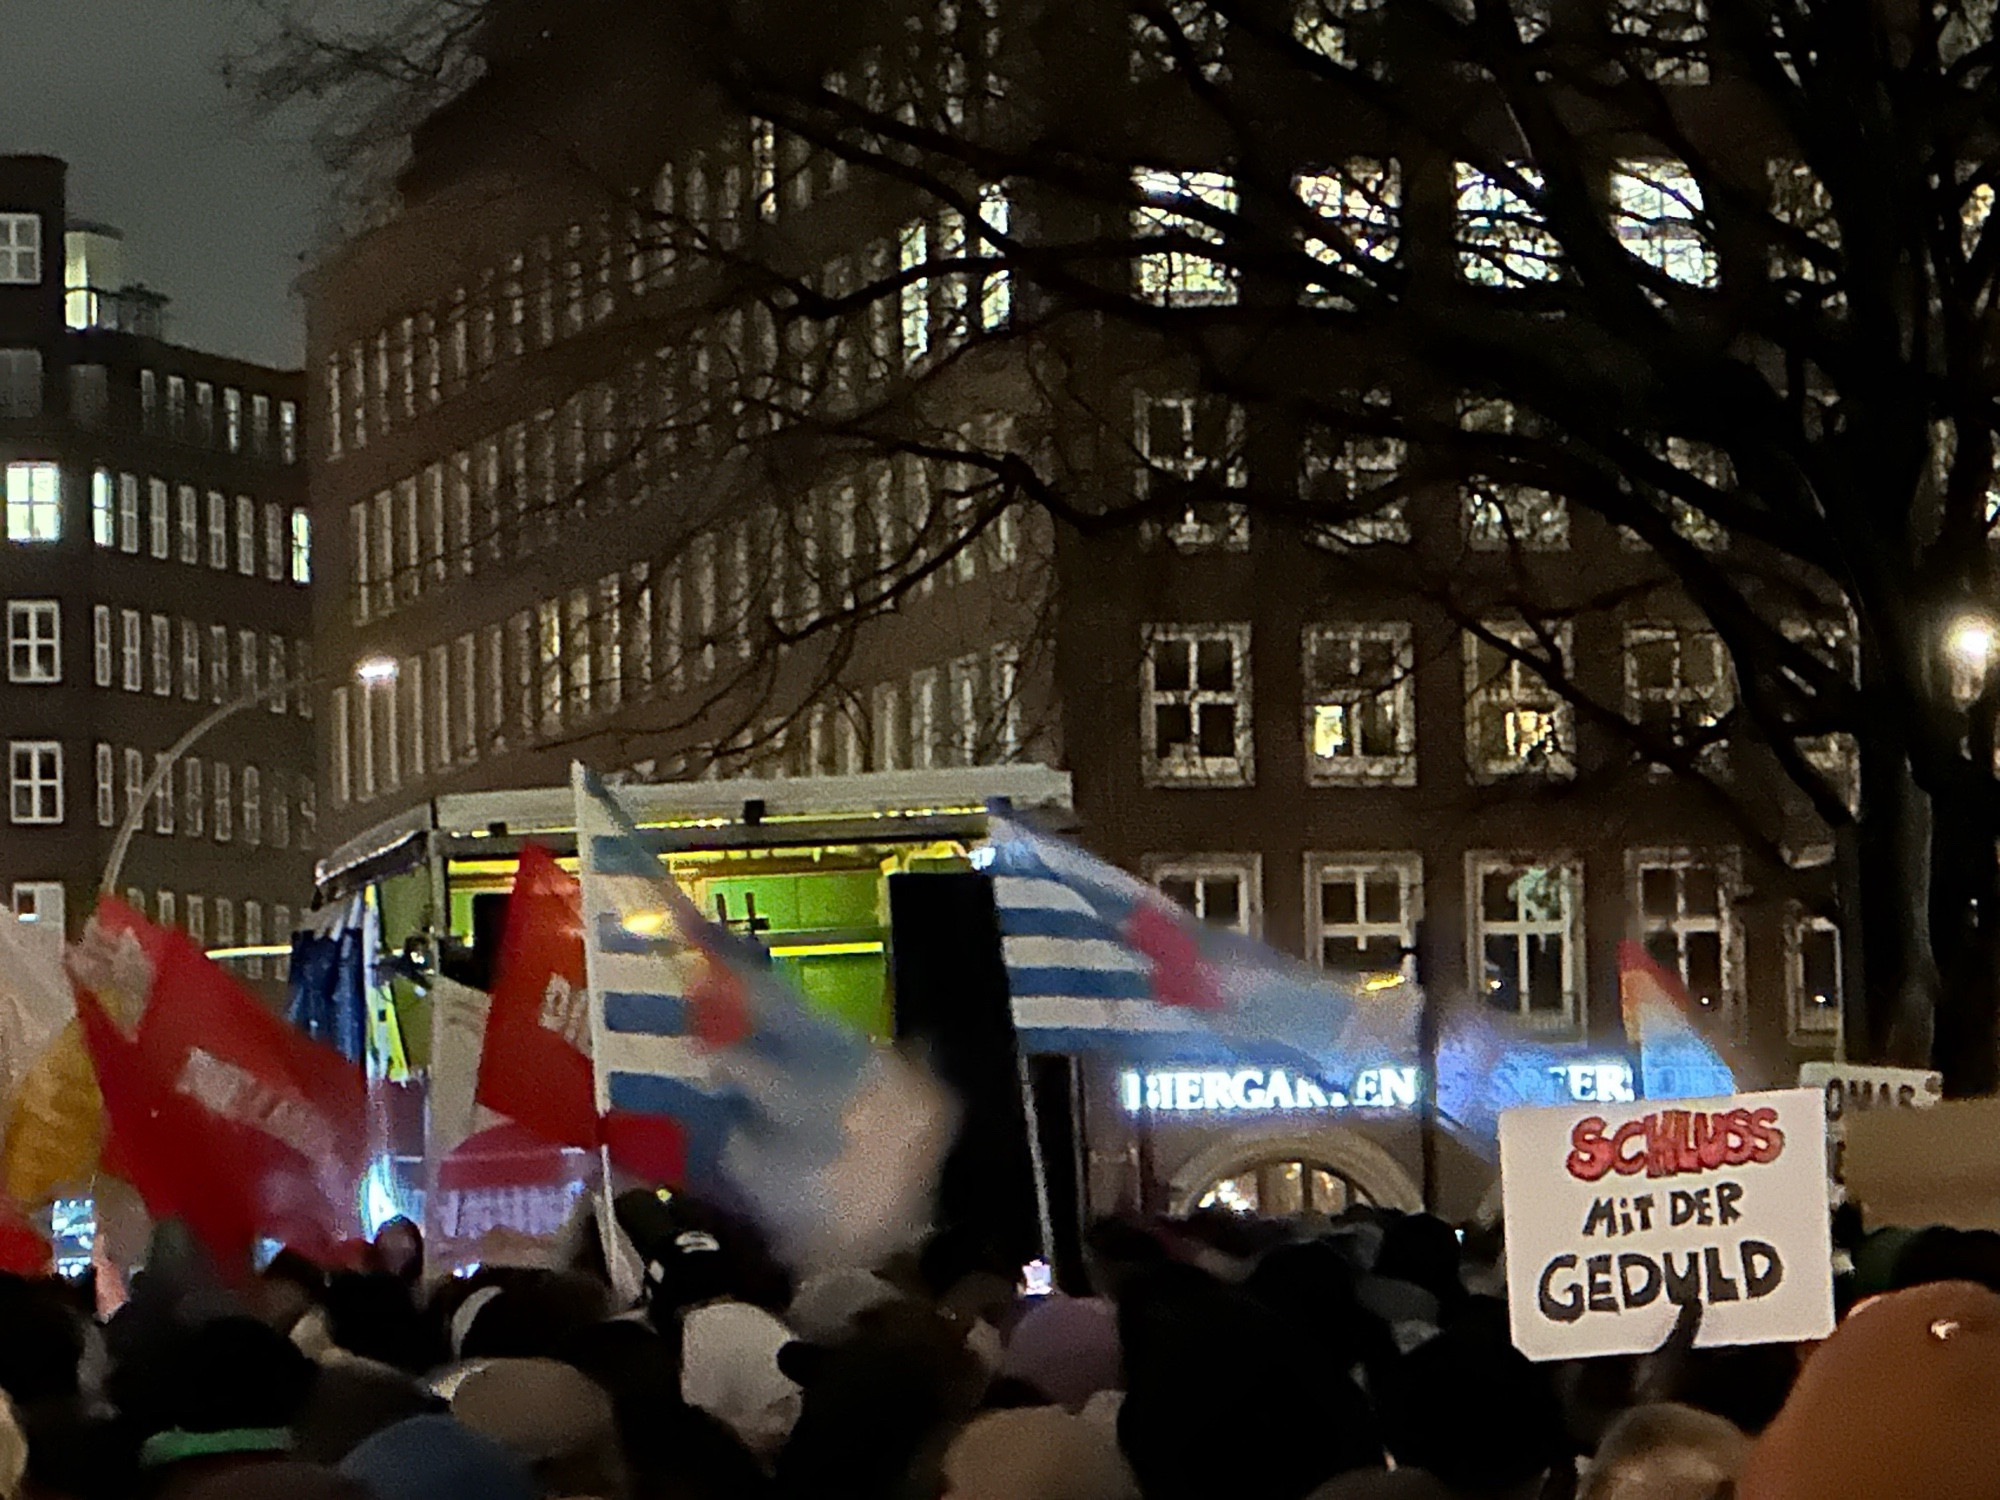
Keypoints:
(1210, 1357)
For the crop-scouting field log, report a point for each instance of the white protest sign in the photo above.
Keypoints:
(1617, 1215)
(1850, 1089)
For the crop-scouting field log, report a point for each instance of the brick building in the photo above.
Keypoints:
(156, 567)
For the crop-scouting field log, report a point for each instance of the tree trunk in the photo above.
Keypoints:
(1889, 1011)
(1965, 932)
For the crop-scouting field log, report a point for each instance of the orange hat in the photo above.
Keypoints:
(1904, 1399)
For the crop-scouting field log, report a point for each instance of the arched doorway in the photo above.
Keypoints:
(1320, 1171)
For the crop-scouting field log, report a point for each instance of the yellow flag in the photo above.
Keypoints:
(56, 1127)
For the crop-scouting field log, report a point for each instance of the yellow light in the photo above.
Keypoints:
(1970, 641)
(1377, 982)
(376, 669)
(824, 950)
(646, 923)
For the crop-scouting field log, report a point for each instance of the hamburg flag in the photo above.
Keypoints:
(830, 1143)
(220, 1113)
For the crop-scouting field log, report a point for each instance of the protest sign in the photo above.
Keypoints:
(1927, 1166)
(1850, 1089)
(1618, 1215)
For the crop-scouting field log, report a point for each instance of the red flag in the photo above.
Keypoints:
(535, 1067)
(222, 1114)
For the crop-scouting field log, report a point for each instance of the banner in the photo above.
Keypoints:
(1851, 1089)
(1617, 1216)
(1915, 1167)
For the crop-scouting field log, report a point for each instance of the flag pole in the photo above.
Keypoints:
(1045, 1219)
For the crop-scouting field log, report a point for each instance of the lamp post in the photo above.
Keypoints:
(372, 670)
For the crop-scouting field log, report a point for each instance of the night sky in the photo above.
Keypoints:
(218, 211)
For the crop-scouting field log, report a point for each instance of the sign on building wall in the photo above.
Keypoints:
(1257, 1091)
(1618, 1215)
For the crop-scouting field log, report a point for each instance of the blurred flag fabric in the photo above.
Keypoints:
(832, 1145)
(1097, 960)
(329, 1001)
(220, 1113)
(53, 1116)
(1676, 1061)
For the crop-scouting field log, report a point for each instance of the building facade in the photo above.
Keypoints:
(156, 568)
(541, 463)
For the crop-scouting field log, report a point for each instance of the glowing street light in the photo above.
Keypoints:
(376, 669)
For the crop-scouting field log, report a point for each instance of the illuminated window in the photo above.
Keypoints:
(288, 432)
(1656, 209)
(1505, 515)
(1665, 40)
(1525, 941)
(34, 502)
(1515, 722)
(996, 287)
(103, 510)
(1353, 476)
(218, 531)
(1364, 913)
(1281, 1189)
(1198, 33)
(1183, 276)
(1677, 681)
(1226, 890)
(1685, 913)
(1333, 28)
(232, 419)
(20, 251)
(1195, 443)
(1502, 238)
(1361, 203)
(35, 781)
(1807, 253)
(34, 640)
(1813, 978)
(1195, 723)
(1361, 705)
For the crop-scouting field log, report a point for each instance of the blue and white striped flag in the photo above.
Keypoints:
(1097, 960)
(830, 1143)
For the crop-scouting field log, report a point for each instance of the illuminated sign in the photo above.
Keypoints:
(1261, 1091)
(1594, 1082)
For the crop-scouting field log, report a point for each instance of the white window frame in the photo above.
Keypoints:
(194, 798)
(190, 661)
(1189, 768)
(128, 513)
(135, 783)
(1725, 867)
(34, 501)
(101, 644)
(1690, 710)
(1329, 714)
(1479, 864)
(1230, 530)
(35, 771)
(20, 249)
(218, 531)
(301, 539)
(107, 786)
(1519, 693)
(246, 536)
(187, 506)
(1812, 1023)
(103, 510)
(159, 517)
(160, 630)
(34, 640)
(1341, 470)
(197, 919)
(1247, 870)
(1397, 939)
(1507, 516)
(131, 651)
(223, 798)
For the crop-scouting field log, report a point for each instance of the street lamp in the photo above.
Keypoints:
(371, 671)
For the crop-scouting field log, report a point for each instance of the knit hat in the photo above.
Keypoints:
(1036, 1453)
(729, 1369)
(436, 1458)
(1066, 1348)
(1661, 1451)
(1900, 1401)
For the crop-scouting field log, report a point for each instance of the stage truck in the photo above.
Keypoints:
(862, 890)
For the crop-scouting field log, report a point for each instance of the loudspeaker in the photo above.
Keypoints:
(950, 987)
